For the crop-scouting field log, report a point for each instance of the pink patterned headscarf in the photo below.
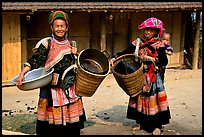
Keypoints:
(152, 23)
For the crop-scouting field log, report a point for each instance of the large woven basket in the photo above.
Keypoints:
(87, 82)
(131, 83)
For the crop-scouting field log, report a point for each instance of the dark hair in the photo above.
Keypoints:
(164, 33)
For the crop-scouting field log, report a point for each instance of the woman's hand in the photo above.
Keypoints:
(74, 50)
(20, 80)
(111, 62)
(21, 77)
(147, 58)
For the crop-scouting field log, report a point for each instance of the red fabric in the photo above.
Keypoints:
(162, 99)
(49, 109)
(151, 72)
(152, 53)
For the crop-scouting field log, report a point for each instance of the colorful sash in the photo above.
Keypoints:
(146, 44)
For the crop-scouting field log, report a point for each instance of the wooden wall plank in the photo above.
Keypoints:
(80, 30)
(95, 29)
(120, 32)
(176, 36)
(23, 39)
(11, 41)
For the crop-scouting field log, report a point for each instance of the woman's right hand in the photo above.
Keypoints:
(21, 77)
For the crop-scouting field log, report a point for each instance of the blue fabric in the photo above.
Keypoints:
(157, 86)
(43, 92)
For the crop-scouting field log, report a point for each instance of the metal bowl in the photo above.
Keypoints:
(35, 78)
(94, 61)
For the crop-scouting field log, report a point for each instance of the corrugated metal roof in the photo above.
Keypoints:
(81, 6)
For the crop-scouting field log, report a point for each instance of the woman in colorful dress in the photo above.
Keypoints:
(60, 111)
(150, 108)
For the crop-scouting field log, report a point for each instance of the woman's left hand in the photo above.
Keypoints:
(74, 50)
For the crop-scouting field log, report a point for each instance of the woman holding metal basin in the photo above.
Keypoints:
(60, 111)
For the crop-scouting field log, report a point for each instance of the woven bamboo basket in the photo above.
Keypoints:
(132, 83)
(88, 82)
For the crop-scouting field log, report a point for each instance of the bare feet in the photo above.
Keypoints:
(137, 128)
(156, 131)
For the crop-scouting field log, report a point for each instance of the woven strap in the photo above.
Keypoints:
(74, 66)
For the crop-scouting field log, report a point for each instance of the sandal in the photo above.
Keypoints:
(156, 131)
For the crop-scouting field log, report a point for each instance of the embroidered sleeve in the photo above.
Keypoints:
(39, 57)
(129, 50)
(134, 42)
(26, 64)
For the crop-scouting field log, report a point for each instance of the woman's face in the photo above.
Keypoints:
(59, 27)
(150, 33)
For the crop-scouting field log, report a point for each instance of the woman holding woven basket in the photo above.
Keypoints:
(150, 107)
(60, 111)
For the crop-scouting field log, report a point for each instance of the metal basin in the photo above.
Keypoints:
(35, 78)
(94, 61)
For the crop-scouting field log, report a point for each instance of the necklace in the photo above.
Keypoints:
(58, 42)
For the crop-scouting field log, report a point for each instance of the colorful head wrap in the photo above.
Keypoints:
(58, 14)
(152, 23)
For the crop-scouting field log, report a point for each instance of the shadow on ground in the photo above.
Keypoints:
(116, 114)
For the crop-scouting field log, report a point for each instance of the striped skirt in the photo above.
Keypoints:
(150, 109)
(60, 120)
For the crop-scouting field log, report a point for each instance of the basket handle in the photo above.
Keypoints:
(122, 56)
(106, 53)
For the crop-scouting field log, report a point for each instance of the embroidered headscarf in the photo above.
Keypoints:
(58, 14)
(152, 23)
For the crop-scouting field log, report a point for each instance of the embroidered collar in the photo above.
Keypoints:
(65, 41)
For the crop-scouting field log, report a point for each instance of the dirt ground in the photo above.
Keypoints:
(106, 109)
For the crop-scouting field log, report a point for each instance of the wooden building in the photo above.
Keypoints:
(110, 26)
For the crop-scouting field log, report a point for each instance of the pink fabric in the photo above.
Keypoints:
(59, 97)
(56, 53)
(152, 23)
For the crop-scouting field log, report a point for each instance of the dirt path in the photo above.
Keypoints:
(106, 109)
